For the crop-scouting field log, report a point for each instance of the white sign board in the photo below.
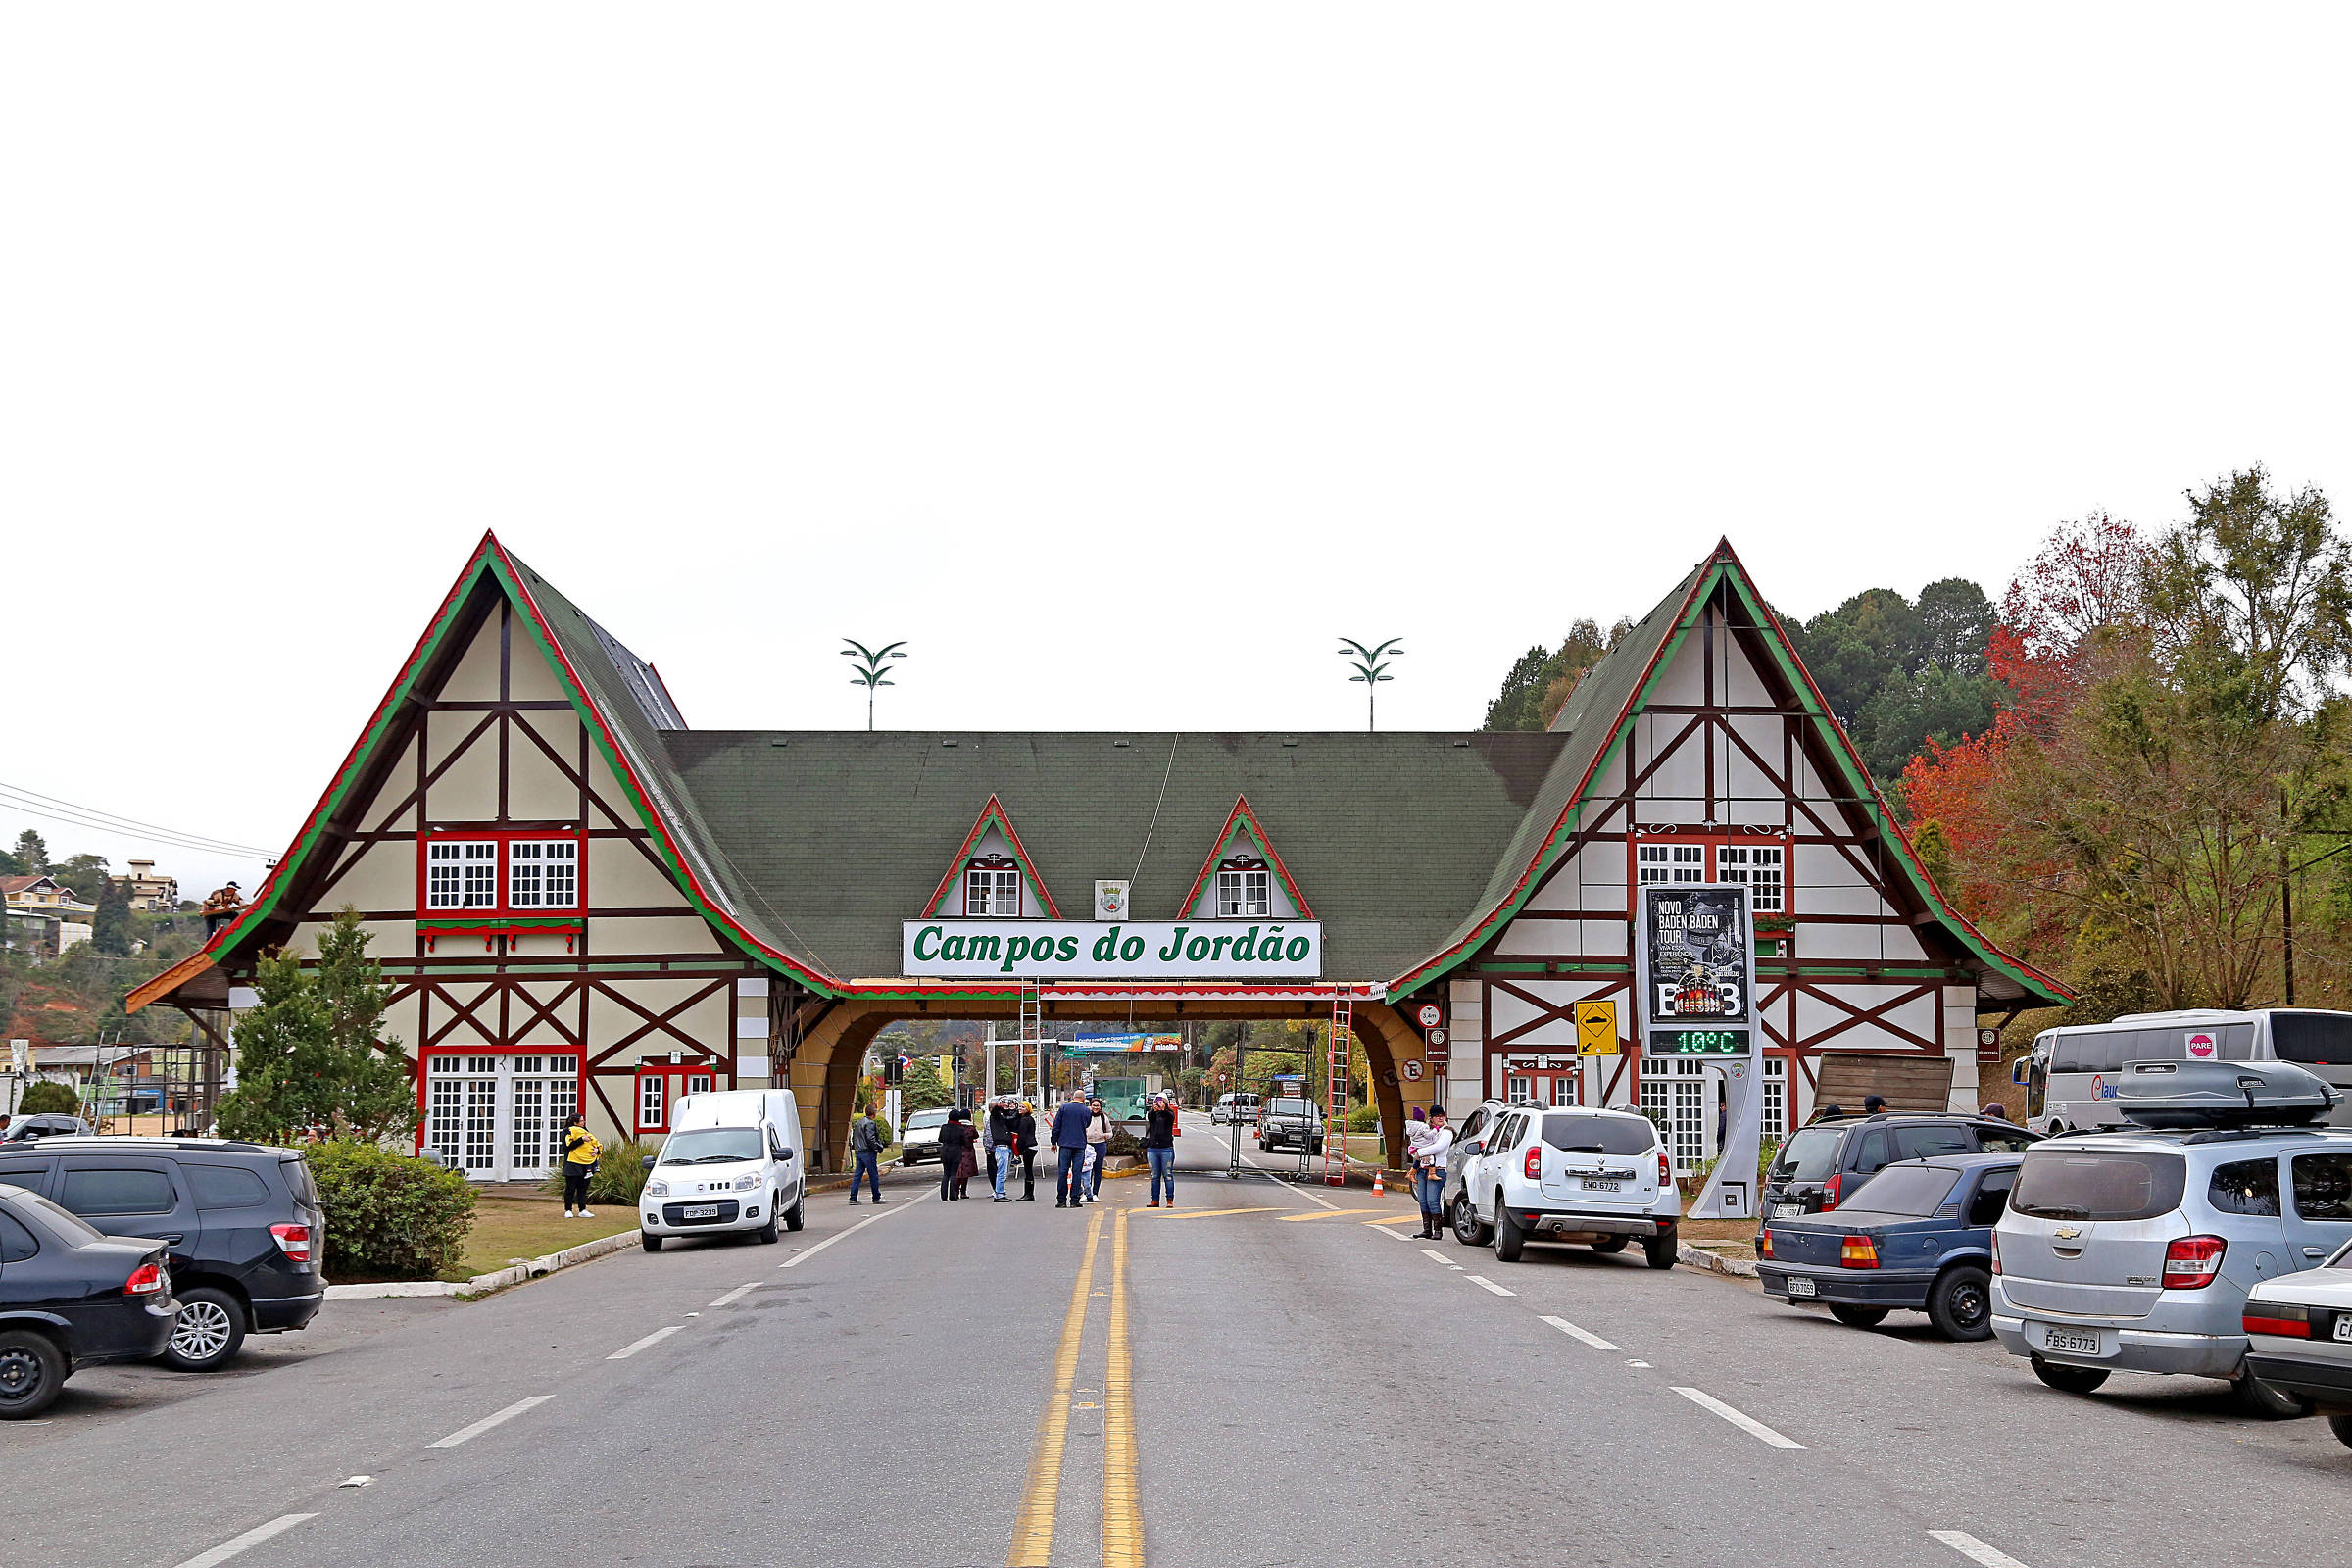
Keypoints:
(1132, 949)
(1111, 901)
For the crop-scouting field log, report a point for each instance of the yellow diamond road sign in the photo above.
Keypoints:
(1596, 1029)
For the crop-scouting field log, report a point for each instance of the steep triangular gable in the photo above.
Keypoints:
(992, 816)
(387, 729)
(1242, 822)
(1633, 668)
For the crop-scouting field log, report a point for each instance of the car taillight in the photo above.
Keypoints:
(294, 1241)
(2271, 1317)
(1533, 1164)
(1997, 1251)
(1858, 1251)
(2193, 1262)
(1665, 1172)
(1829, 1191)
(145, 1280)
(1764, 1246)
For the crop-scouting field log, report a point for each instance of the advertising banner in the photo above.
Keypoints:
(1087, 1044)
(1134, 950)
(1695, 966)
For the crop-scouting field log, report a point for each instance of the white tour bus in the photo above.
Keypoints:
(2072, 1073)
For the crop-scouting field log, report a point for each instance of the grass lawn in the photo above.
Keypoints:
(505, 1228)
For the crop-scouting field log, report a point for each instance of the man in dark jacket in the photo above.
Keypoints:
(1069, 1145)
(1026, 1127)
(955, 1141)
(1003, 1131)
(865, 1146)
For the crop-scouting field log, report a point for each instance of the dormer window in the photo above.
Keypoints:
(460, 874)
(1244, 890)
(991, 888)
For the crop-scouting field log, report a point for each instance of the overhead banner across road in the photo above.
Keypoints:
(1140, 950)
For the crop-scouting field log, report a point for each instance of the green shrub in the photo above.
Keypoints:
(619, 1177)
(389, 1215)
(46, 1099)
(1364, 1118)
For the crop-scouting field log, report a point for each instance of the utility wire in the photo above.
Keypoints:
(50, 809)
(121, 820)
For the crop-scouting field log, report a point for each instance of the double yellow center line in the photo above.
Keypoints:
(1122, 1516)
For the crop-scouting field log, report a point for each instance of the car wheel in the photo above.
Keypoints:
(767, 1232)
(2257, 1398)
(209, 1331)
(1509, 1237)
(2341, 1426)
(1610, 1243)
(649, 1241)
(1662, 1250)
(1468, 1229)
(1960, 1304)
(2069, 1379)
(798, 1214)
(32, 1369)
(1858, 1317)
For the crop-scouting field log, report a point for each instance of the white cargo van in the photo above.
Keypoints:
(732, 1162)
(2073, 1074)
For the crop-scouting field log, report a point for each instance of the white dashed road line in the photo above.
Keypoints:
(1975, 1551)
(655, 1338)
(738, 1293)
(1575, 1333)
(1436, 1256)
(1485, 1284)
(466, 1434)
(1745, 1423)
(798, 1258)
(251, 1538)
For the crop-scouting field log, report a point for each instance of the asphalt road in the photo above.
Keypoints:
(1266, 1374)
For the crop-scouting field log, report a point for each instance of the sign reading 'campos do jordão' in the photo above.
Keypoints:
(1129, 950)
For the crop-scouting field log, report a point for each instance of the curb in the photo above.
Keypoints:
(1737, 1268)
(496, 1280)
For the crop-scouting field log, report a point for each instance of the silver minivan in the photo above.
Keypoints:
(2133, 1250)
(2071, 1075)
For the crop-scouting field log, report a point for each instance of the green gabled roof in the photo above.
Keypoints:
(1595, 722)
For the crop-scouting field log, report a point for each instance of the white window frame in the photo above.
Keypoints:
(992, 883)
(534, 864)
(1762, 867)
(456, 871)
(1774, 1085)
(1670, 861)
(653, 1107)
(1245, 895)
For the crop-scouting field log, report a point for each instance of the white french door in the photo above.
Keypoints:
(499, 1117)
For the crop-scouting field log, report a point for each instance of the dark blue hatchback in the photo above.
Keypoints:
(1918, 1236)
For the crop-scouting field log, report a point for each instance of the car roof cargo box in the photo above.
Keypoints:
(2222, 1094)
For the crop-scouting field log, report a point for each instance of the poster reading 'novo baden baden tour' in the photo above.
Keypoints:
(1694, 958)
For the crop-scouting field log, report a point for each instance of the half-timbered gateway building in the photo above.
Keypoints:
(581, 901)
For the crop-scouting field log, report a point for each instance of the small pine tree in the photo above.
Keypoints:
(110, 927)
(312, 1054)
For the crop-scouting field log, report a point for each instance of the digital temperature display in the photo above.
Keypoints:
(1699, 1043)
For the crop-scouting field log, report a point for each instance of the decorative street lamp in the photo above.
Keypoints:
(1369, 663)
(870, 664)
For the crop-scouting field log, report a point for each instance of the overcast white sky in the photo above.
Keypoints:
(1121, 359)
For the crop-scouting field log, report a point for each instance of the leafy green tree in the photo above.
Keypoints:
(313, 1054)
(85, 874)
(46, 1099)
(110, 928)
(31, 855)
(1540, 684)
(922, 1087)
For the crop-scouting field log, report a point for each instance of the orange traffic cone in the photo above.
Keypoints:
(1377, 1189)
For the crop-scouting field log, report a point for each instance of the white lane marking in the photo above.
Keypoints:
(1433, 1254)
(1975, 1551)
(655, 1338)
(463, 1434)
(1744, 1422)
(738, 1293)
(1382, 1225)
(251, 1538)
(875, 1219)
(1575, 1333)
(1637, 1363)
(1485, 1284)
(358, 1481)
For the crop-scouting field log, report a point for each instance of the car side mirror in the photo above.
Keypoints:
(2016, 1071)
(783, 1153)
(646, 1160)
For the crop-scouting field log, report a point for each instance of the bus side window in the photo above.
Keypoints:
(2237, 1041)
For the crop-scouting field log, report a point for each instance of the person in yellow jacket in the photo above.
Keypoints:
(580, 1153)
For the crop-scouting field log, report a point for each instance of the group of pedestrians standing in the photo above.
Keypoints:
(1012, 1135)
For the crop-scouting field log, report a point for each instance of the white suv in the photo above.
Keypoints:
(1567, 1173)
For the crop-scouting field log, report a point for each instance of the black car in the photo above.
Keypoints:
(1823, 1162)
(242, 1221)
(27, 1129)
(71, 1297)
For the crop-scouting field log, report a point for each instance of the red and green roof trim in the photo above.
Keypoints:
(991, 814)
(1721, 569)
(1244, 820)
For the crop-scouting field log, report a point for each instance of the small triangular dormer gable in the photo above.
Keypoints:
(1244, 878)
(991, 876)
